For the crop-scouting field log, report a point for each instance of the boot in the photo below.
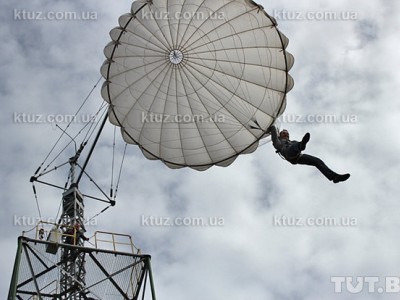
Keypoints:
(304, 141)
(339, 178)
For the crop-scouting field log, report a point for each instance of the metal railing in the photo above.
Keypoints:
(56, 233)
(117, 241)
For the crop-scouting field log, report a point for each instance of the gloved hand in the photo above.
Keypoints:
(270, 128)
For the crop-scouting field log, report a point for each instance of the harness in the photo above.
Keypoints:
(292, 160)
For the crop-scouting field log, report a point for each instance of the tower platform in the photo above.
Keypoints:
(110, 273)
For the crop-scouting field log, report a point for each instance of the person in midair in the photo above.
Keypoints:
(292, 152)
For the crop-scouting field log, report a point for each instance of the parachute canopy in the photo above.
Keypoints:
(196, 83)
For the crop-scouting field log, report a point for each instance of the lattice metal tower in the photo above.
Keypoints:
(56, 264)
(72, 274)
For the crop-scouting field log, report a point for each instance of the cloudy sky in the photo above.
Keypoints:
(346, 66)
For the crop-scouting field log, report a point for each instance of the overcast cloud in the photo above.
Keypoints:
(347, 68)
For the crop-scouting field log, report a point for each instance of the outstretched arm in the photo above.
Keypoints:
(275, 140)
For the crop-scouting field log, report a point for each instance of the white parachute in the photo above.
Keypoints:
(196, 83)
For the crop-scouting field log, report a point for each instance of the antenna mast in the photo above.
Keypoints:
(72, 275)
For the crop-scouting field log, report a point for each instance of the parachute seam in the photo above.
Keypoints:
(252, 47)
(236, 33)
(169, 29)
(152, 103)
(126, 70)
(129, 70)
(137, 102)
(184, 46)
(115, 47)
(177, 110)
(222, 106)
(198, 129)
(272, 89)
(210, 78)
(169, 67)
(188, 25)
(237, 62)
(286, 62)
(268, 50)
(179, 26)
(241, 80)
(223, 24)
(241, 105)
(158, 25)
(146, 40)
